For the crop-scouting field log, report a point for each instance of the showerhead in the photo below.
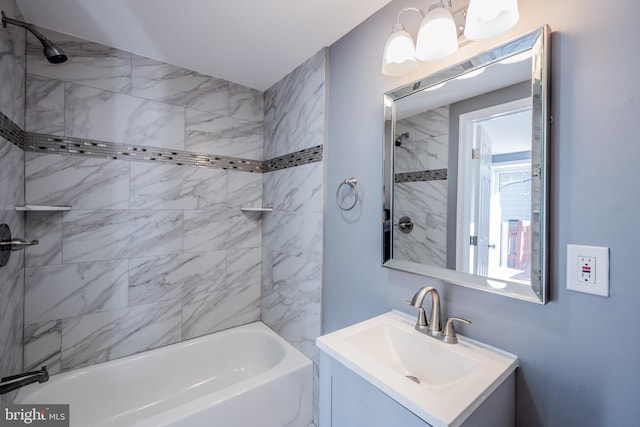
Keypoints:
(53, 53)
(401, 138)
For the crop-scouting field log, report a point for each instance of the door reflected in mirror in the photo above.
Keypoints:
(494, 192)
(465, 151)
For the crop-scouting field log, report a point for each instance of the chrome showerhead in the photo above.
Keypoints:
(53, 53)
(401, 138)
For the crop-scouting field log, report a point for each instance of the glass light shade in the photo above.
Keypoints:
(488, 18)
(399, 56)
(438, 36)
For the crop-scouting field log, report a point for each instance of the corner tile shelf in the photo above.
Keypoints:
(265, 209)
(42, 208)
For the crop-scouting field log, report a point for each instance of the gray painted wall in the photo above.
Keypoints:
(579, 352)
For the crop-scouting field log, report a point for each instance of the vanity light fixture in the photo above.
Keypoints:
(438, 33)
(399, 55)
(489, 18)
(438, 24)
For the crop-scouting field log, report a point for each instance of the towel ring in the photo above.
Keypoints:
(352, 182)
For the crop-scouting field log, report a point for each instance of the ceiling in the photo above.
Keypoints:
(251, 42)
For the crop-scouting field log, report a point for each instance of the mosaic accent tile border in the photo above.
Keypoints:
(298, 158)
(44, 143)
(430, 175)
(107, 150)
(11, 131)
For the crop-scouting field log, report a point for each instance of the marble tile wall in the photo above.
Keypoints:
(150, 253)
(426, 243)
(12, 68)
(12, 65)
(424, 152)
(427, 146)
(181, 249)
(294, 109)
(107, 94)
(292, 242)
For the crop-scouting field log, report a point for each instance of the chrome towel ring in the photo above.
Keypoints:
(352, 182)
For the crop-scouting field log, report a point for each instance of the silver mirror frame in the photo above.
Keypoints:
(538, 42)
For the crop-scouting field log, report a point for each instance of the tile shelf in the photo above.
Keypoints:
(264, 209)
(42, 208)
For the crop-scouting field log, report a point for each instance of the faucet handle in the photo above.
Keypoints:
(421, 322)
(449, 332)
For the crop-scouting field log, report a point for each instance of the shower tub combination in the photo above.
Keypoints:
(244, 376)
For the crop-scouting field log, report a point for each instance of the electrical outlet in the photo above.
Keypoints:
(588, 269)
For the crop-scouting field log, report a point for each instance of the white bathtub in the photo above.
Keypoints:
(245, 376)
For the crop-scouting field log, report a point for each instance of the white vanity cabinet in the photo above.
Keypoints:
(348, 400)
(382, 372)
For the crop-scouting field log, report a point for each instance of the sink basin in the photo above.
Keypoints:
(441, 383)
(411, 355)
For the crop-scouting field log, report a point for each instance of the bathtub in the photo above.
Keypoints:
(245, 376)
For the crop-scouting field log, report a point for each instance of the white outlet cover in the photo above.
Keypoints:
(601, 255)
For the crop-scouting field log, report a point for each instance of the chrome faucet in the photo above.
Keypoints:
(433, 326)
(14, 382)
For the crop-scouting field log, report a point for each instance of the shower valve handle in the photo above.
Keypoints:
(17, 244)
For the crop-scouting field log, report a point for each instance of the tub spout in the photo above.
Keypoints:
(14, 382)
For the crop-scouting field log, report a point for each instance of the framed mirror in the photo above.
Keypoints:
(466, 176)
